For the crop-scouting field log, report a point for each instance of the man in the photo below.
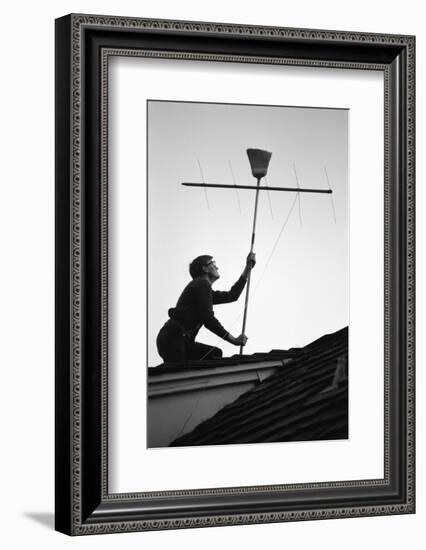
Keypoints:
(176, 340)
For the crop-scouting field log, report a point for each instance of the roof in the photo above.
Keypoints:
(304, 400)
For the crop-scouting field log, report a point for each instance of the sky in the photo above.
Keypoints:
(300, 285)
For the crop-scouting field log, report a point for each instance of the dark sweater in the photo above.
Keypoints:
(195, 306)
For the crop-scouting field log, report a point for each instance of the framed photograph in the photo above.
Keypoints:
(303, 294)
(234, 274)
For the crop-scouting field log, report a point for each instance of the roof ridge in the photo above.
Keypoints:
(241, 359)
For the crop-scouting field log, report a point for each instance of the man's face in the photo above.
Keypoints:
(212, 270)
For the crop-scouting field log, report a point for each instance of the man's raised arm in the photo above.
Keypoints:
(232, 295)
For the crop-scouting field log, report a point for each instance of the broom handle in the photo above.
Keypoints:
(253, 235)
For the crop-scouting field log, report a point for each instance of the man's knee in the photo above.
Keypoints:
(216, 353)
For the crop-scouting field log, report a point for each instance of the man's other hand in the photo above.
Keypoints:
(240, 340)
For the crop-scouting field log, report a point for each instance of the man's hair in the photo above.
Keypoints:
(196, 266)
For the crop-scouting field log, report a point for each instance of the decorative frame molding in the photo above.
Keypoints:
(84, 44)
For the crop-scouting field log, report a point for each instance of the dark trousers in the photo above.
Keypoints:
(173, 346)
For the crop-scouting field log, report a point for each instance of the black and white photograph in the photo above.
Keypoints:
(247, 273)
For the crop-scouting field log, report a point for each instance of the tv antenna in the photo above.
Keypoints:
(259, 163)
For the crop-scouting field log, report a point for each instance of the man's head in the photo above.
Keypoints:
(204, 266)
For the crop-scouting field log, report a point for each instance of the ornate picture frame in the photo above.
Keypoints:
(84, 45)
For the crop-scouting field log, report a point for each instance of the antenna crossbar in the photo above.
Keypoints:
(253, 188)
